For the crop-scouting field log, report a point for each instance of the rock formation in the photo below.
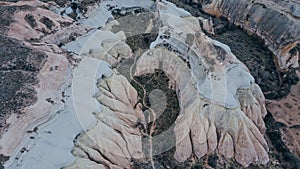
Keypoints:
(201, 120)
(224, 105)
(115, 139)
(277, 23)
(222, 109)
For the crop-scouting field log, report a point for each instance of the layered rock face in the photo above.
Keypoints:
(277, 22)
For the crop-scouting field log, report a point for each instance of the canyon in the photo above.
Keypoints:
(149, 84)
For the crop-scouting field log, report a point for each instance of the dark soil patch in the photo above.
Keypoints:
(19, 66)
(159, 80)
(48, 22)
(142, 41)
(6, 17)
(134, 25)
(164, 160)
(30, 20)
(287, 159)
(16, 56)
(2, 160)
(17, 90)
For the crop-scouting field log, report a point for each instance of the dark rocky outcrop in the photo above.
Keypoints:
(6, 17)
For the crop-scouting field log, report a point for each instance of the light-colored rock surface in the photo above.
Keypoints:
(42, 110)
(277, 22)
(216, 94)
(233, 108)
(53, 141)
(213, 65)
(221, 107)
(39, 30)
(200, 120)
(84, 87)
(115, 139)
(103, 45)
(35, 136)
(99, 15)
(27, 131)
(53, 78)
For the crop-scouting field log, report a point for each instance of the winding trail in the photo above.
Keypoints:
(152, 128)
